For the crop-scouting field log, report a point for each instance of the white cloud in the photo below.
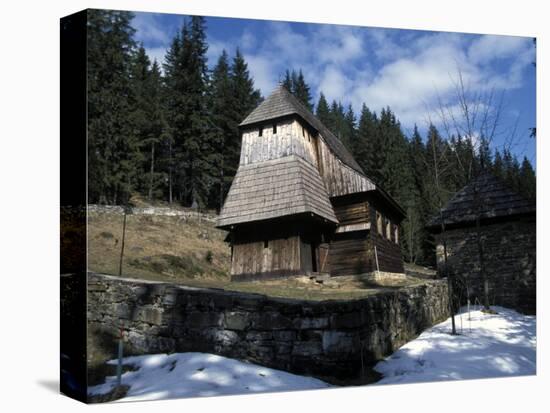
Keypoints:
(262, 72)
(156, 53)
(334, 83)
(406, 70)
(490, 47)
(149, 29)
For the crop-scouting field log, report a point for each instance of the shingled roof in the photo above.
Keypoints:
(496, 200)
(275, 188)
(283, 103)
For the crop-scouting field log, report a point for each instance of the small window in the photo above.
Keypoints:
(274, 129)
(260, 132)
(379, 223)
(265, 243)
(303, 132)
(388, 229)
(396, 233)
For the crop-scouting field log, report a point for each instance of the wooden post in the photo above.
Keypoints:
(376, 258)
(122, 245)
(119, 365)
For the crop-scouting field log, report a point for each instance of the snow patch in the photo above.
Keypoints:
(488, 345)
(165, 376)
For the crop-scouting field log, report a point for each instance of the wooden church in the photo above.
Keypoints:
(300, 204)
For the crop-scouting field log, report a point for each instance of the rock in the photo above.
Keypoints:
(306, 348)
(337, 342)
(236, 320)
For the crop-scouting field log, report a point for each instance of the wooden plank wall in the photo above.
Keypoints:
(388, 251)
(281, 255)
(348, 254)
(339, 178)
(291, 139)
(352, 213)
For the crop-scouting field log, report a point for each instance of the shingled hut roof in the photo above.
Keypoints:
(273, 189)
(496, 200)
(283, 103)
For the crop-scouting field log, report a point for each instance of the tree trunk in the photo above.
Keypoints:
(482, 271)
(448, 275)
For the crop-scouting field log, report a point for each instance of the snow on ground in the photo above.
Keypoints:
(165, 376)
(488, 345)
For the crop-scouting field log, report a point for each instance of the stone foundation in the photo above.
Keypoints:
(338, 341)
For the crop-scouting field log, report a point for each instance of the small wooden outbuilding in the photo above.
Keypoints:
(507, 229)
(300, 204)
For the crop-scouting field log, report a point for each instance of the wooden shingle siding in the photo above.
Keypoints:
(493, 197)
(275, 188)
(299, 202)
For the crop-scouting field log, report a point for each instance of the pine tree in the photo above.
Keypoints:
(221, 109)
(337, 123)
(295, 83)
(245, 99)
(147, 119)
(415, 245)
(287, 82)
(302, 91)
(349, 128)
(193, 166)
(366, 128)
(498, 165)
(323, 111)
(527, 179)
(173, 101)
(112, 144)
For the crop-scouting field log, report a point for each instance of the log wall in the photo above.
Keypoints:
(390, 258)
(348, 254)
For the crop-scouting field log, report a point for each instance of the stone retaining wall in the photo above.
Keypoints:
(162, 211)
(338, 341)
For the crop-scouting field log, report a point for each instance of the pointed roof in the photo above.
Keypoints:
(282, 103)
(273, 189)
(496, 200)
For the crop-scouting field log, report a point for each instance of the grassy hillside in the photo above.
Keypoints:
(166, 248)
(186, 251)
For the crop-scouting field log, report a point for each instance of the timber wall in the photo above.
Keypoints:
(338, 341)
(339, 178)
(266, 259)
(510, 262)
(290, 139)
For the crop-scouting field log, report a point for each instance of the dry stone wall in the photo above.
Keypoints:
(150, 210)
(338, 341)
(509, 251)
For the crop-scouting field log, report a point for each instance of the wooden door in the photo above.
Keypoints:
(323, 255)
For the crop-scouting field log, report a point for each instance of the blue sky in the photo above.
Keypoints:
(409, 70)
